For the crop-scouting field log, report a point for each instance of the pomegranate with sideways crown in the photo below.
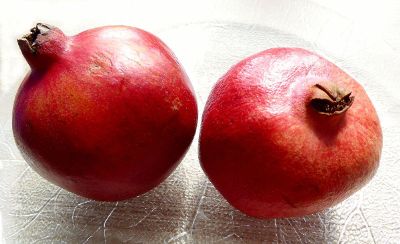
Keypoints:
(287, 133)
(106, 114)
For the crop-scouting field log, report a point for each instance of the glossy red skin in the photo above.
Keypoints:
(110, 115)
(269, 153)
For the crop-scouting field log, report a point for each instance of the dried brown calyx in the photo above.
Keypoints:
(43, 45)
(330, 100)
(29, 42)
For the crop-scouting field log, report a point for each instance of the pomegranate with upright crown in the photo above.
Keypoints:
(106, 114)
(287, 133)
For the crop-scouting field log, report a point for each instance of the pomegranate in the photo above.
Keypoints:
(106, 114)
(287, 133)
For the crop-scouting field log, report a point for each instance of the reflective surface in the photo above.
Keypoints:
(208, 37)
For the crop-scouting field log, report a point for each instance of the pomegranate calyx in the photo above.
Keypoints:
(330, 101)
(42, 46)
(28, 41)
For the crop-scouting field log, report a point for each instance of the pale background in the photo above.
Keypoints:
(362, 37)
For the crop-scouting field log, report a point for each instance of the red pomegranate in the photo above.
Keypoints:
(106, 114)
(287, 133)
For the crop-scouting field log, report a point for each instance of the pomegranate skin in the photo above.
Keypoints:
(270, 153)
(107, 114)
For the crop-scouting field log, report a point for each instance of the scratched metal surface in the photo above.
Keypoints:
(208, 37)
